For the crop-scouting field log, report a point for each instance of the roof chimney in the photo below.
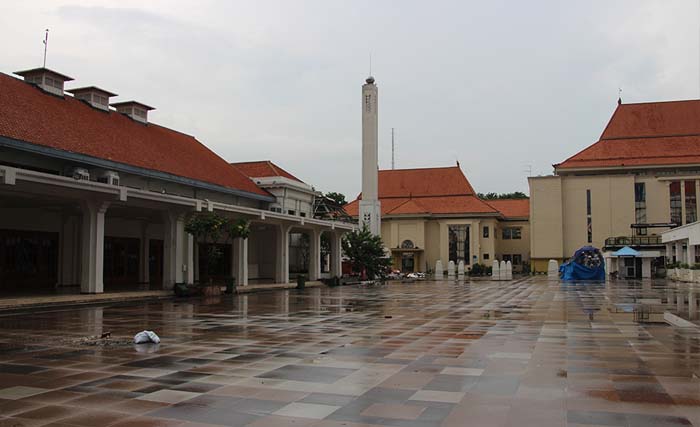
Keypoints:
(98, 98)
(133, 109)
(48, 80)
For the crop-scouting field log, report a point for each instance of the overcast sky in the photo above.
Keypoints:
(501, 86)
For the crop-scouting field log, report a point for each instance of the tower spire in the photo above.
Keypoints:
(370, 209)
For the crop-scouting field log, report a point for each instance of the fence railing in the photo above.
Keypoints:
(633, 241)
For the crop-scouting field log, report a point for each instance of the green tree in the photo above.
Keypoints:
(210, 228)
(337, 197)
(366, 253)
(497, 196)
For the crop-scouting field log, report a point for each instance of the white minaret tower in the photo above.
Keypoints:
(370, 209)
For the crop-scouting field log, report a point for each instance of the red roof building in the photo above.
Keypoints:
(263, 169)
(431, 214)
(101, 198)
(641, 178)
(66, 126)
(644, 135)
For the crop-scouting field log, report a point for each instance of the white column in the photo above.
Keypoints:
(282, 270)
(646, 268)
(240, 261)
(682, 202)
(144, 270)
(690, 255)
(174, 242)
(669, 253)
(336, 254)
(315, 254)
(679, 251)
(93, 242)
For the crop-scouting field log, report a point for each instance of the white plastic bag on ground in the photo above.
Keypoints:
(144, 337)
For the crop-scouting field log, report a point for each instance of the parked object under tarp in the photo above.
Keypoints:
(586, 264)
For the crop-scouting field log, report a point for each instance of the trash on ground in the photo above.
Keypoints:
(145, 337)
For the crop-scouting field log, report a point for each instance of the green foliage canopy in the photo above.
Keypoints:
(366, 253)
(497, 196)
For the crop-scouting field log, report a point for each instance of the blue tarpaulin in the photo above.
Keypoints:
(586, 264)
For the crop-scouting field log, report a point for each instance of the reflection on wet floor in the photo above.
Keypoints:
(477, 353)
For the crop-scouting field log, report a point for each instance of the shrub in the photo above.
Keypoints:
(683, 265)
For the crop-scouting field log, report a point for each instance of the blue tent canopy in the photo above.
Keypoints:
(626, 251)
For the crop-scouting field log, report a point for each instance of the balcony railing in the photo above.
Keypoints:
(633, 241)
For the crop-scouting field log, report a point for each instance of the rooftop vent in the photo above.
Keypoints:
(133, 109)
(98, 98)
(48, 80)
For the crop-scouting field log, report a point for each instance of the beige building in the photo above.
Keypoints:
(434, 214)
(641, 178)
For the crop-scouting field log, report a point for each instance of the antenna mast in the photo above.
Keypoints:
(392, 149)
(46, 45)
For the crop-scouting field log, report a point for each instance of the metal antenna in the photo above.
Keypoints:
(46, 45)
(392, 149)
(370, 63)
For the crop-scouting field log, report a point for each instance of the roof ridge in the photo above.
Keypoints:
(419, 168)
(680, 135)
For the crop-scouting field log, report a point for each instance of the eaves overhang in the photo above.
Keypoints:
(123, 167)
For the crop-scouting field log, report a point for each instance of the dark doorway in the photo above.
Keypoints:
(407, 262)
(633, 268)
(121, 262)
(219, 268)
(28, 261)
(155, 264)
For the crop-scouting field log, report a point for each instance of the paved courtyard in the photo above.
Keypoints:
(528, 353)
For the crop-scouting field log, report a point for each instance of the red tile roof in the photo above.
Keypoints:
(263, 168)
(512, 208)
(649, 134)
(28, 114)
(447, 181)
(425, 191)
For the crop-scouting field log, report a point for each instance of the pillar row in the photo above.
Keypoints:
(315, 256)
(240, 261)
(282, 251)
(336, 254)
(174, 259)
(93, 243)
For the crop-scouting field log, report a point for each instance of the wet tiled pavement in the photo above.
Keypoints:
(529, 353)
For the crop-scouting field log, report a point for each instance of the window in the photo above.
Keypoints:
(675, 201)
(589, 219)
(459, 243)
(302, 214)
(691, 211)
(506, 258)
(486, 257)
(640, 203)
(291, 212)
(517, 259)
(514, 233)
(486, 232)
(276, 209)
